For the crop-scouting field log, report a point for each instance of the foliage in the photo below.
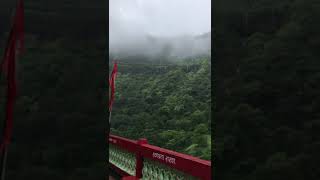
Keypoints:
(60, 112)
(267, 79)
(168, 106)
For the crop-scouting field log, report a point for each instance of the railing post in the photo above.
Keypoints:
(139, 158)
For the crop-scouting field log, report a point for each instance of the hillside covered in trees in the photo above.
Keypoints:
(170, 105)
(60, 112)
(267, 91)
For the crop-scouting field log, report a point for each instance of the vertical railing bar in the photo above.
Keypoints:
(139, 158)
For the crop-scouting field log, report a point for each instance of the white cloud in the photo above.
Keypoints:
(131, 20)
(162, 17)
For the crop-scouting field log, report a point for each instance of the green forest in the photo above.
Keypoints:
(265, 93)
(170, 105)
(267, 89)
(60, 115)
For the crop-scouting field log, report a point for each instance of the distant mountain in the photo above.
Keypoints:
(204, 36)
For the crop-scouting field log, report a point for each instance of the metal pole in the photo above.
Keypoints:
(108, 135)
(108, 128)
(6, 146)
(4, 162)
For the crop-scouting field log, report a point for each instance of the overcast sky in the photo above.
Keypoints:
(131, 22)
(159, 17)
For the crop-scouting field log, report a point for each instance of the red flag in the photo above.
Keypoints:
(112, 84)
(9, 67)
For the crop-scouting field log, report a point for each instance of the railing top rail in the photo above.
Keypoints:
(149, 147)
(182, 162)
(127, 144)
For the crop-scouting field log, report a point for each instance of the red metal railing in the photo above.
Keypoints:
(185, 163)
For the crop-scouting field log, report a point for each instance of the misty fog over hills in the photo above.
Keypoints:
(173, 47)
(160, 29)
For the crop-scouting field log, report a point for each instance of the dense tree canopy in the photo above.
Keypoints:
(60, 114)
(168, 105)
(267, 96)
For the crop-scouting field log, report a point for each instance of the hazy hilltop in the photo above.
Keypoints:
(170, 48)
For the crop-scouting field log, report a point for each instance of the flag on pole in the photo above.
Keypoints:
(112, 84)
(13, 48)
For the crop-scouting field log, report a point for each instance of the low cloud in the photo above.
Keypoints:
(151, 27)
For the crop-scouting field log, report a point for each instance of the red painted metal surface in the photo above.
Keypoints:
(139, 158)
(185, 163)
(126, 144)
(188, 164)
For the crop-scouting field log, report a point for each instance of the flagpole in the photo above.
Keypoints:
(108, 129)
(4, 162)
(3, 149)
(5, 146)
(4, 153)
(110, 108)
